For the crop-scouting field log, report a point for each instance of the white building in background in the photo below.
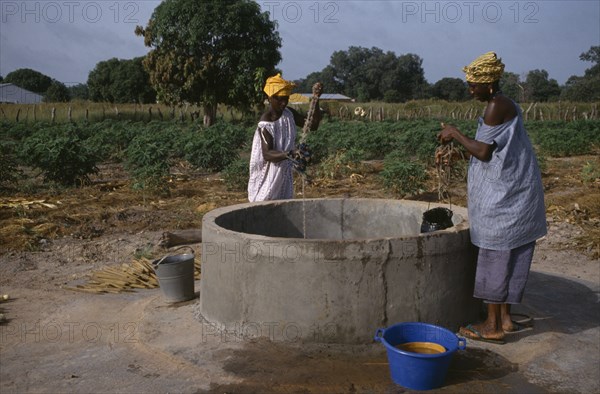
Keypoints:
(11, 93)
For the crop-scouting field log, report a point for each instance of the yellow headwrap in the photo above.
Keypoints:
(486, 68)
(277, 86)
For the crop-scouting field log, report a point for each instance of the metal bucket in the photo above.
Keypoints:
(175, 275)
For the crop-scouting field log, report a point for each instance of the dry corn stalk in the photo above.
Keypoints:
(139, 274)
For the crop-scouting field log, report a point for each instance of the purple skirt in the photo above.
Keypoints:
(502, 274)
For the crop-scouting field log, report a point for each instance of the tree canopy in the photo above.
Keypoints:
(370, 74)
(120, 81)
(57, 93)
(29, 79)
(450, 89)
(210, 52)
(586, 87)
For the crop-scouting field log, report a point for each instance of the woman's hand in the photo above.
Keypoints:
(448, 133)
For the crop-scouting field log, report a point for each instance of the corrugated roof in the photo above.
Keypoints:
(11, 93)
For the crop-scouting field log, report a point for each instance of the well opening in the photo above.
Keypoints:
(337, 219)
(362, 265)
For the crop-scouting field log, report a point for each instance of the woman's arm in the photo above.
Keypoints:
(270, 154)
(480, 150)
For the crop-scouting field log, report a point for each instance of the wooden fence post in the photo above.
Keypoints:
(149, 113)
(87, 114)
(34, 116)
(160, 115)
(18, 113)
(69, 114)
(53, 115)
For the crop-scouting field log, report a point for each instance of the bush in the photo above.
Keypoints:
(236, 175)
(148, 157)
(60, 154)
(9, 173)
(559, 139)
(215, 147)
(401, 176)
(340, 164)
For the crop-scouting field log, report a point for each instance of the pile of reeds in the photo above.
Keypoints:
(139, 274)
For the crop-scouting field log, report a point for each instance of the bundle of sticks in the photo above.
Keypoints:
(139, 274)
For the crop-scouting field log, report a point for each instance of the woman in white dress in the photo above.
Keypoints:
(274, 144)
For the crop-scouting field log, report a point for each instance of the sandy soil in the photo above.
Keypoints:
(53, 239)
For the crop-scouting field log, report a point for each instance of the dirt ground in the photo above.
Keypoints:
(58, 340)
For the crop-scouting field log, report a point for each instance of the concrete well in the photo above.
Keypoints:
(363, 265)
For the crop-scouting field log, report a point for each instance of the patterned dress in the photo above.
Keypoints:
(268, 180)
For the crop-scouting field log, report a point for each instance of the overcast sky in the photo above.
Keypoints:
(66, 39)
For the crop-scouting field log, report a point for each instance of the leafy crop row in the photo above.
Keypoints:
(69, 153)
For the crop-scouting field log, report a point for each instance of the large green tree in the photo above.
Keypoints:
(121, 81)
(450, 89)
(538, 87)
(29, 79)
(57, 93)
(370, 74)
(210, 52)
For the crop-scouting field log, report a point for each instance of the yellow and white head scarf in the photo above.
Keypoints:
(277, 86)
(487, 68)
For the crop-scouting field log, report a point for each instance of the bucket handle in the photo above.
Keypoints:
(174, 250)
(379, 334)
(462, 343)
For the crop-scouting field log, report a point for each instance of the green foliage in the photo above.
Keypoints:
(29, 79)
(403, 176)
(208, 51)
(538, 87)
(148, 157)
(590, 172)
(79, 91)
(451, 89)
(57, 93)
(341, 164)
(121, 81)
(61, 154)
(542, 160)
(215, 147)
(9, 172)
(559, 139)
(110, 138)
(373, 75)
(236, 174)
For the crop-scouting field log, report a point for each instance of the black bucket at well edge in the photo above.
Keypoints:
(176, 276)
(436, 219)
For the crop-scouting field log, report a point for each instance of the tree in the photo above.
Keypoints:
(450, 89)
(29, 79)
(587, 87)
(325, 76)
(100, 80)
(371, 74)
(511, 86)
(57, 93)
(210, 52)
(539, 88)
(121, 81)
(79, 91)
